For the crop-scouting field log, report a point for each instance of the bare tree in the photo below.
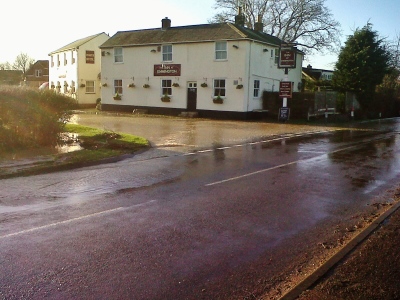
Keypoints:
(23, 62)
(307, 23)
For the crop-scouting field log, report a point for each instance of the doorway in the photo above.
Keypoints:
(191, 96)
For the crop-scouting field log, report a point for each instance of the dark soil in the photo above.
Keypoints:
(370, 271)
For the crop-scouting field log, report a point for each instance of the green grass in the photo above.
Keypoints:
(98, 145)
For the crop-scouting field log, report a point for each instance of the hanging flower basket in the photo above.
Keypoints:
(204, 85)
(166, 98)
(104, 84)
(82, 85)
(146, 86)
(239, 86)
(117, 96)
(131, 85)
(175, 84)
(218, 100)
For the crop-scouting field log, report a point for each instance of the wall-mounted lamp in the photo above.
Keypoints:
(235, 46)
(265, 50)
(153, 50)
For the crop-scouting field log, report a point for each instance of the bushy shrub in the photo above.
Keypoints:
(32, 118)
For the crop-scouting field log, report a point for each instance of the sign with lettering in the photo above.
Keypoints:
(89, 57)
(285, 89)
(287, 58)
(284, 113)
(167, 70)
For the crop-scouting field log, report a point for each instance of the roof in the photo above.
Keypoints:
(77, 43)
(188, 34)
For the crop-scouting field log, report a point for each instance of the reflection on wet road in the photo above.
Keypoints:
(214, 220)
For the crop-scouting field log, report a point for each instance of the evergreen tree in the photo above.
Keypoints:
(362, 64)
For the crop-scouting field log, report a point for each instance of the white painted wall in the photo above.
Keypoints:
(244, 64)
(76, 72)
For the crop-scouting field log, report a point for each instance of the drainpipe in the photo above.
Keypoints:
(248, 80)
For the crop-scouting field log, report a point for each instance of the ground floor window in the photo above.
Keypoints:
(166, 85)
(89, 86)
(219, 87)
(256, 90)
(118, 86)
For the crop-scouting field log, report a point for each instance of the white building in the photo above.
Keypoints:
(75, 69)
(192, 66)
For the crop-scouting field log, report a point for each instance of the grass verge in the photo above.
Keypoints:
(97, 146)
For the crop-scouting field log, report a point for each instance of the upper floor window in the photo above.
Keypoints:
(276, 56)
(167, 52)
(166, 85)
(72, 57)
(52, 60)
(118, 55)
(38, 73)
(58, 60)
(65, 59)
(256, 90)
(219, 87)
(221, 50)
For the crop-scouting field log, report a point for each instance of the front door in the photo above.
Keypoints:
(192, 96)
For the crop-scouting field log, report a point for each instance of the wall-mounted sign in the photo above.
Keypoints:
(287, 57)
(89, 57)
(167, 70)
(285, 89)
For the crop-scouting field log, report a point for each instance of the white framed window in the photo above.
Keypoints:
(167, 52)
(38, 73)
(72, 57)
(166, 87)
(118, 86)
(219, 87)
(58, 60)
(256, 90)
(65, 59)
(221, 52)
(89, 87)
(118, 55)
(276, 56)
(52, 61)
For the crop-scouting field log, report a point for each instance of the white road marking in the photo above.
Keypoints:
(63, 222)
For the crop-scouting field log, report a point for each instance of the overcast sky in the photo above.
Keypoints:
(39, 27)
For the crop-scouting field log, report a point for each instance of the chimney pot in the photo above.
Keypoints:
(165, 23)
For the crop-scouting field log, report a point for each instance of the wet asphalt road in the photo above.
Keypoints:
(227, 218)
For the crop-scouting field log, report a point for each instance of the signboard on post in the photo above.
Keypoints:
(287, 57)
(285, 89)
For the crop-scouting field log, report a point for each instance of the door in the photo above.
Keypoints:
(192, 96)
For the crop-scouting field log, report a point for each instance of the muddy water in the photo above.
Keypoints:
(191, 133)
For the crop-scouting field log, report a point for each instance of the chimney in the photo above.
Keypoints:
(165, 23)
(240, 18)
(259, 26)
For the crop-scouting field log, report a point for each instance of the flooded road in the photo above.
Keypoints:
(217, 210)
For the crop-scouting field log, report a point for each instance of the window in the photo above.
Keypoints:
(65, 59)
(118, 86)
(52, 61)
(89, 86)
(58, 60)
(219, 87)
(166, 85)
(167, 52)
(72, 57)
(220, 50)
(118, 55)
(276, 56)
(256, 91)
(65, 87)
(38, 73)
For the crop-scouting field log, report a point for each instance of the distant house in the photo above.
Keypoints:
(10, 77)
(213, 70)
(317, 78)
(37, 74)
(75, 69)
